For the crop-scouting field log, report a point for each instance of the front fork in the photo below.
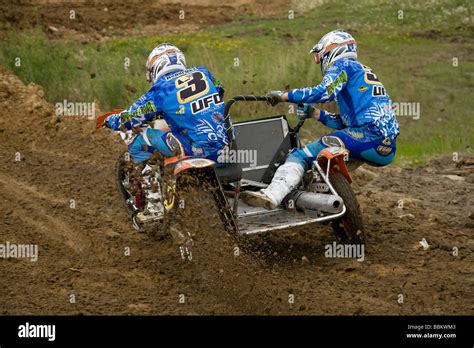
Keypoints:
(324, 165)
(320, 175)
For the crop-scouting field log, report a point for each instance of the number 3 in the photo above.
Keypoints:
(370, 76)
(191, 86)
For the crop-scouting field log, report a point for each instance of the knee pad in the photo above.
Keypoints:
(331, 140)
(174, 144)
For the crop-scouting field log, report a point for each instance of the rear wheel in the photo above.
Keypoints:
(350, 227)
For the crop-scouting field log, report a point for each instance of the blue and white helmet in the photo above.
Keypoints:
(335, 45)
(163, 59)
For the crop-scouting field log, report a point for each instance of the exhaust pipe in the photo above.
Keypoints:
(316, 201)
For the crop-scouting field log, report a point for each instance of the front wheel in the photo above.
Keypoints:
(127, 176)
(350, 227)
(200, 227)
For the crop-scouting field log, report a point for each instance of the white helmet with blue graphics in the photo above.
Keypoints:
(335, 45)
(163, 59)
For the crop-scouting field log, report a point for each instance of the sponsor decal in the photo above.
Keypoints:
(384, 150)
(205, 103)
(355, 134)
(330, 140)
(387, 141)
(140, 111)
(180, 73)
(180, 110)
(340, 79)
(197, 150)
(378, 91)
(321, 187)
(169, 196)
(174, 144)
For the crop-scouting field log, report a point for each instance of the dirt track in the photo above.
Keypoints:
(81, 250)
(102, 19)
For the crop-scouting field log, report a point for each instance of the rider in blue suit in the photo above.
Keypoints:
(366, 124)
(190, 100)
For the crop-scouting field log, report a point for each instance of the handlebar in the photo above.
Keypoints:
(243, 98)
(230, 102)
(298, 126)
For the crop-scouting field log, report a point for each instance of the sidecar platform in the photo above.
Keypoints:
(253, 220)
(271, 138)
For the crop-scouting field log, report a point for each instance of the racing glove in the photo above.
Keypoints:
(274, 97)
(304, 111)
(101, 121)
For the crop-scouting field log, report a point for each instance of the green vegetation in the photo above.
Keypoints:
(412, 56)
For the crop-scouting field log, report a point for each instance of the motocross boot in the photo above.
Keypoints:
(153, 209)
(286, 178)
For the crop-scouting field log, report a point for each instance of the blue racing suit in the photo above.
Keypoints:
(191, 103)
(366, 124)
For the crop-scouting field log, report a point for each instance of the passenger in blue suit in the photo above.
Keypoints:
(366, 124)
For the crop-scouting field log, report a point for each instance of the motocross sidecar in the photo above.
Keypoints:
(258, 148)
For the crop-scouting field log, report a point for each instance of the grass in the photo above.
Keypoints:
(412, 57)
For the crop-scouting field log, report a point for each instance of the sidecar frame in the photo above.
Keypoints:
(252, 220)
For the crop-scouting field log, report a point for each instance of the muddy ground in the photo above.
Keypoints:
(58, 191)
(103, 19)
(83, 243)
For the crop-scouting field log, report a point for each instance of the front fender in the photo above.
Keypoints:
(338, 156)
(192, 163)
